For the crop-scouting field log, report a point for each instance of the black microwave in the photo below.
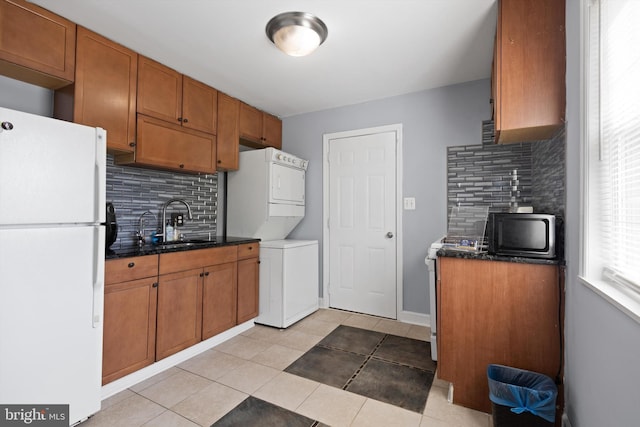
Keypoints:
(522, 234)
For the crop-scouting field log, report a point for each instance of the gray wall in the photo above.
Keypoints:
(432, 120)
(25, 97)
(602, 344)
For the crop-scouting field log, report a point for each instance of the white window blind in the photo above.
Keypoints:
(613, 128)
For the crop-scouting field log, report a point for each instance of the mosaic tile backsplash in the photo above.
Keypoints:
(134, 191)
(501, 176)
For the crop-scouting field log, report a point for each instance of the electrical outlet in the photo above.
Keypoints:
(177, 219)
(409, 203)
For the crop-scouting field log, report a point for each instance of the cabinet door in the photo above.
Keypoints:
(129, 327)
(250, 124)
(529, 70)
(219, 296)
(159, 91)
(199, 106)
(169, 146)
(248, 282)
(179, 323)
(272, 131)
(105, 89)
(495, 312)
(228, 137)
(36, 45)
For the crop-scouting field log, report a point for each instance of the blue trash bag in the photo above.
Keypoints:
(522, 391)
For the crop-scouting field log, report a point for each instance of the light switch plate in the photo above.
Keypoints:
(409, 203)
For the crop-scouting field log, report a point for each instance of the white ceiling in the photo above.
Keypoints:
(375, 48)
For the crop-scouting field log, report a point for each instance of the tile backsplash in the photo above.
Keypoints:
(134, 191)
(483, 175)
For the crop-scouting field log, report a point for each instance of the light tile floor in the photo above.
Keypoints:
(203, 389)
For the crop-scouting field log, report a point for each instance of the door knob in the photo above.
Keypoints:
(389, 235)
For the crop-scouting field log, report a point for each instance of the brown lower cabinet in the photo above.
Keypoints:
(494, 312)
(158, 305)
(248, 281)
(130, 298)
(179, 312)
(219, 296)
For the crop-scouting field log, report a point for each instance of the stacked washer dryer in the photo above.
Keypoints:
(266, 200)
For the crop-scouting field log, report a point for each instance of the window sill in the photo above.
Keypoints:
(614, 295)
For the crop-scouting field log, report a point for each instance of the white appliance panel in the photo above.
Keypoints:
(288, 281)
(265, 196)
(49, 170)
(51, 300)
(287, 185)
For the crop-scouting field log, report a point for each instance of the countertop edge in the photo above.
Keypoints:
(137, 251)
(483, 256)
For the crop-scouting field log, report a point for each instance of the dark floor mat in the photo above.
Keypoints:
(328, 366)
(406, 351)
(256, 412)
(351, 339)
(398, 385)
(389, 368)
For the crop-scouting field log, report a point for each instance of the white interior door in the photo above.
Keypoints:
(363, 224)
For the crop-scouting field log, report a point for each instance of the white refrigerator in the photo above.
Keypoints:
(52, 211)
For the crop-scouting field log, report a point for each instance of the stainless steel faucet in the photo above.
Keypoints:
(140, 234)
(164, 215)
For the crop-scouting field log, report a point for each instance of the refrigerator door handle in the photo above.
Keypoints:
(98, 276)
(101, 175)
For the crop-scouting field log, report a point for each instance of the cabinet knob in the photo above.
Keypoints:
(201, 274)
(132, 144)
(155, 285)
(179, 119)
(131, 264)
(181, 165)
(206, 273)
(185, 120)
(219, 161)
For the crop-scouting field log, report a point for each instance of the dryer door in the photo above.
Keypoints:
(287, 185)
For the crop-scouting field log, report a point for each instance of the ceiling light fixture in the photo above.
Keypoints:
(296, 33)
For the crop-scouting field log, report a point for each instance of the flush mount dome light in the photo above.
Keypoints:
(296, 33)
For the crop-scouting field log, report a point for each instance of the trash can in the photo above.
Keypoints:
(521, 398)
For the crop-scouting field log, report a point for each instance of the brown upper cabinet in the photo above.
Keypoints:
(259, 129)
(228, 138)
(528, 78)
(165, 94)
(164, 145)
(36, 46)
(104, 93)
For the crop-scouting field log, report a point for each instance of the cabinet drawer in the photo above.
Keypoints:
(199, 258)
(248, 250)
(125, 269)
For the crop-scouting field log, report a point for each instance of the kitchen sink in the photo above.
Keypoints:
(183, 243)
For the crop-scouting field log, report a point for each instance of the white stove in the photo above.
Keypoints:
(430, 260)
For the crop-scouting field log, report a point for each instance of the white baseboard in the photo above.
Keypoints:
(414, 318)
(565, 420)
(134, 378)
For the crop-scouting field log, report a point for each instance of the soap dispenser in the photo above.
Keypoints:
(176, 231)
(169, 232)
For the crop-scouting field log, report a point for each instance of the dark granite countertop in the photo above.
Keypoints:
(125, 251)
(453, 253)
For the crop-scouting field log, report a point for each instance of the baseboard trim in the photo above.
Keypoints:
(565, 420)
(414, 318)
(134, 378)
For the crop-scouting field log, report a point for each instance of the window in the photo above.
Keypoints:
(612, 169)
